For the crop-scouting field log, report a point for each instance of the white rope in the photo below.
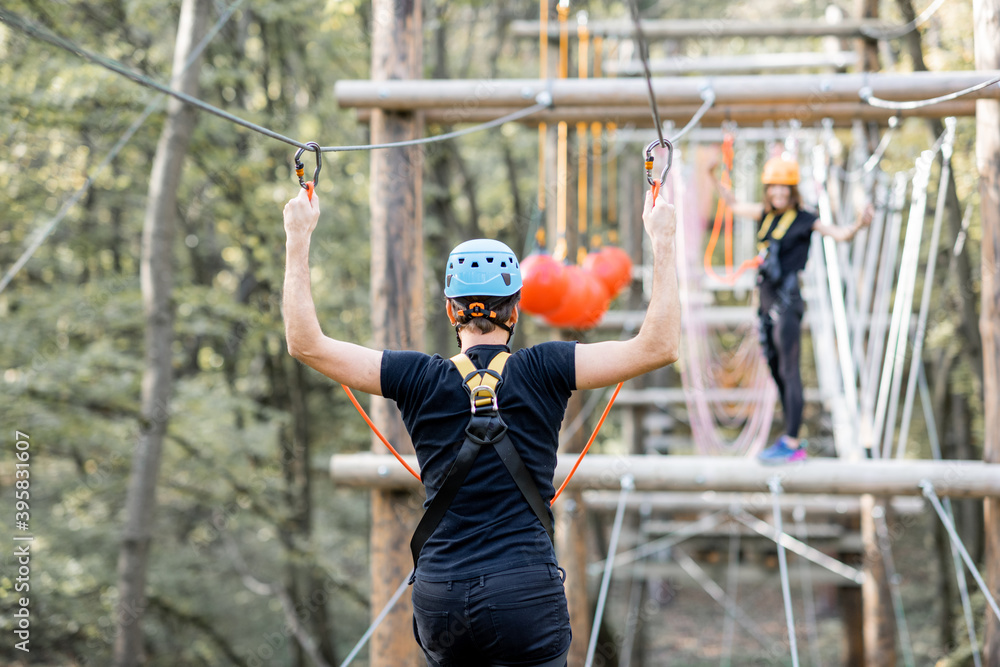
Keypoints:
(956, 559)
(906, 28)
(716, 593)
(931, 495)
(812, 631)
(884, 546)
(800, 548)
(775, 485)
(880, 306)
(628, 485)
(378, 620)
(888, 395)
(925, 299)
(732, 590)
(656, 546)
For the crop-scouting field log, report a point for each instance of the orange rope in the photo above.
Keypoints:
(724, 214)
(593, 435)
(375, 430)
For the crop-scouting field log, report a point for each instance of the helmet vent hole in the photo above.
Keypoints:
(506, 278)
(474, 265)
(461, 260)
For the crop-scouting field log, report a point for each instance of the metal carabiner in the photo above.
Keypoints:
(492, 398)
(656, 185)
(300, 168)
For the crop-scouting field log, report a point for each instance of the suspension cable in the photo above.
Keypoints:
(378, 620)
(930, 494)
(866, 96)
(544, 99)
(153, 105)
(628, 485)
(906, 28)
(644, 57)
(775, 485)
(885, 547)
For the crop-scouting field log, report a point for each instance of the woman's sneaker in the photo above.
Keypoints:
(781, 452)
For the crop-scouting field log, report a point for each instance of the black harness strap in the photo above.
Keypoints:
(485, 428)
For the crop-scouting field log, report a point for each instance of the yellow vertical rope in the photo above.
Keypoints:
(559, 252)
(543, 73)
(596, 129)
(582, 144)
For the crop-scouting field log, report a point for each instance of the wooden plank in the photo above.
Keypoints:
(748, 574)
(986, 19)
(462, 96)
(668, 501)
(956, 479)
(674, 395)
(747, 62)
(714, 28)
(397, 261)
(841, 113)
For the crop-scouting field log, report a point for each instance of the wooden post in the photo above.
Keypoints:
(397, 309)
(571, 545)
(986, 19)
(879, 621)
(867, 47)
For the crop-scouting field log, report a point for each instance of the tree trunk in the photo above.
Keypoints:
(973, 347)
(397, 295)
(986, 19)
(156, 274)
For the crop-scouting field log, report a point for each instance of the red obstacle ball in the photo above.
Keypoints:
(596, 301)
(544, 283)
(584, 303)
(573, 302)
(612, 266)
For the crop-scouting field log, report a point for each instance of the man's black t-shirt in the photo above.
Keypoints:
(795, 243)
(489, 527)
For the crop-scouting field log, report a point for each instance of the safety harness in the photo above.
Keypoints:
(769, 242)
(486, 428)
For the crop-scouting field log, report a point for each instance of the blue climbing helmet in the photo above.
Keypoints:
(482, 267)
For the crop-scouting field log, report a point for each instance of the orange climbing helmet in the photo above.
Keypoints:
(780, 171)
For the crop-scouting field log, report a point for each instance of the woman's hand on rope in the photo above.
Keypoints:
(301, 215)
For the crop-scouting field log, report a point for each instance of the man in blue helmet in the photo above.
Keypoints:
(487, 588)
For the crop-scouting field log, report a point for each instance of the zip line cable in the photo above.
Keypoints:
(150, 109)
(640, 39)
(544, 99)
(866, 96)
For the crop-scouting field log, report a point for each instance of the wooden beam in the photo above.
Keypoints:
(843, 114)
(714, 28)
(462, 96)
(397, 293)
(986, 19)
(669, 501)
(747, 62)
(957, 479)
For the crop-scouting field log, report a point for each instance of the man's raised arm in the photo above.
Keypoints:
(354, 365)
(658, 342)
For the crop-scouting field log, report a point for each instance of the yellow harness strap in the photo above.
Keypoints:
(786, 220)
(476, 380)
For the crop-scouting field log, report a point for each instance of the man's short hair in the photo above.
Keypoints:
(503, 307)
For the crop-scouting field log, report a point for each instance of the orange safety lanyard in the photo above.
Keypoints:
(399, 458)
(724, 214)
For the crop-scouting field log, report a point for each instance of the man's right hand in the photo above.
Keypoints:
(658, 218)
(301, 215)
